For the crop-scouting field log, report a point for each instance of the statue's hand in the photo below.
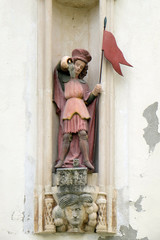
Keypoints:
(97, 89)
(64, 62)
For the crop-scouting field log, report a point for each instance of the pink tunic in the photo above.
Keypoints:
(75, 112)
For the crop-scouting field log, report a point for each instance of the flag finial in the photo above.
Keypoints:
(105, 23)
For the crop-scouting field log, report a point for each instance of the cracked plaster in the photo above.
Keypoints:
(128, 233)
(151, 134)
(138, 205)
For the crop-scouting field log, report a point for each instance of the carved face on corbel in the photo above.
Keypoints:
(75, 215)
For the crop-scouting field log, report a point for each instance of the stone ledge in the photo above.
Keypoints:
(78, 3)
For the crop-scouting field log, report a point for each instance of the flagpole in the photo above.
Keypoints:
(97, 103)
(102, 54)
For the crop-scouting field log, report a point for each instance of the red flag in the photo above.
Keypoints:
(112, 52)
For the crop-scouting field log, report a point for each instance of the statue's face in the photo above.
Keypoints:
(78, 66)
(75, 214)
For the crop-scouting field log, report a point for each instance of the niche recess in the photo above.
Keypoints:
(63, 26)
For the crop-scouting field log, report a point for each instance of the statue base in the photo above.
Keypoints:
(76, 201)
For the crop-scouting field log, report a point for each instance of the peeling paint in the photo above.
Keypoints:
(138, 205)
(17, 216)
(128, 233)
(151, 134)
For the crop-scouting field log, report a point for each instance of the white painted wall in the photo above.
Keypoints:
(137, 25)
(18, 46)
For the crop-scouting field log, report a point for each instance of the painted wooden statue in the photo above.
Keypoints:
(75, 105)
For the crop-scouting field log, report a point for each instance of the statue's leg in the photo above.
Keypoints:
(67, 138)
(84, 147)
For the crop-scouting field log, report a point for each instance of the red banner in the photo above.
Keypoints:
(112, 52)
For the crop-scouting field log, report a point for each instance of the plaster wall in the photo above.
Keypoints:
(136, 28)
(136, 25)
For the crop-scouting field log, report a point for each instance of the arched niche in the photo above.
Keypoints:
(63, 26)
(76, 27)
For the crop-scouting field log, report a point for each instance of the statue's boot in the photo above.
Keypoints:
(59, 164)
(67, 138)
(84, 147)
(88, 165)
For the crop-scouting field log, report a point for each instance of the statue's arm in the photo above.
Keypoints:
(95, 92)
(62, 69)
(90, 99)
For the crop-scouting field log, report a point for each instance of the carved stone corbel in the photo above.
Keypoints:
(102, 213)
(76, 210)
(49, 225)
